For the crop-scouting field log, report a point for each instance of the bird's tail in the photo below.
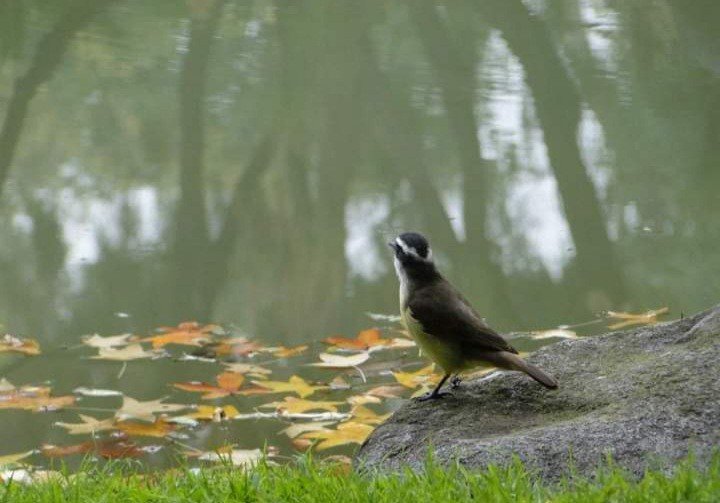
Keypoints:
(516, 363)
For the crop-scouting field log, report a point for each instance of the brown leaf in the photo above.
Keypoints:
(346, 433)
(366, 339)
(387, 391)
(647, 318)
(160, 428)
(295, 385)
(298, 405)
(36, 398)
(88, 425)
(58, 451)
(228, 384)
(283, 352)
(189, 333)
(10, 343)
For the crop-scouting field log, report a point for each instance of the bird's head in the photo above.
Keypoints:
(413, 256)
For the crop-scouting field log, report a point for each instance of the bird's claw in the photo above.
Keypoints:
(455, 382)
(432, 395)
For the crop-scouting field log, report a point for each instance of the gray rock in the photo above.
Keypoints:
(646, 397)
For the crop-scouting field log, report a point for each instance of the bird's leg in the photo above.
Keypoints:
(436, 393)
(455, 382)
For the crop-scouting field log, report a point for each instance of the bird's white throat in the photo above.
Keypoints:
(404, 282)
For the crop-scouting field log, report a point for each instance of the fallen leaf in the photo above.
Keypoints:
(36, 398)
(238, 349)
(88, 425)
(332, 361)
(160, 428)
(362, 414)
(414, 379)
(400, 343)
(214, 414)
(296, 429)
(146, 410)
(295, 385)
(346, 433)
(59, 451)
(10, 343)
(647, 318)
(189, 333)
(228, 384)
(13, 459)
(363, 399)
(298, 405)
(387, 391)
(338, 464)
(247, 368)
(301, 444)
(244, 458)
(106, 342)
(92, 392)
(283, 352)
(553, 333)
(338, 383)
(366, 339)
(129, 352)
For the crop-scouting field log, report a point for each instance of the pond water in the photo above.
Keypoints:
(244, 164)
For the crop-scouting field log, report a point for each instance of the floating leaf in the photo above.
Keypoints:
(10, 343)
(553, 333)
(387, 391)
(214, 414)
(366, 339)
(59, 451)
(362, 414)
(338, 362)
(247, 368)
(400, 343)
(106, 342)
(92, 392)
(363, 399)
(346, 433)
(129, 352)
(295, 385)
(283, 352)
(146, 410)
(88, 425)
(36, 398)
(237, 347)
(298, 405)
(160, 428)
(189, 333)
(296, 429)
(647, 318)
(13, 459)
(228, 384)
(414, 379)
(244, 458)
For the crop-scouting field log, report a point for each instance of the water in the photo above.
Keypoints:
(245, 164)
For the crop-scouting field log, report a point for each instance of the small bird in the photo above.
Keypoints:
(444, 324)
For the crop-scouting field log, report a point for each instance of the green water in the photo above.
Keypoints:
(244, 163)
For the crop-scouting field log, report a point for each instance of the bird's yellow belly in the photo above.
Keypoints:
(442, 353)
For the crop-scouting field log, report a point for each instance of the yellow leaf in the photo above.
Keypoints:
(298, 405)
(245, 458)
(362, 414)
(363, 399)
(561, 333)
(283, 352)
(145, 410)
(130, 352)
(647, 318)
(387, 391)
(333, 361)
(346, 433)
(414, 379)
(295, 385)
(160, 428)
(364, 340)
(10, 343)
(296, 429)
(247, 368)
(106, 342)
(12, 459)
(214, 414)
(88, 425)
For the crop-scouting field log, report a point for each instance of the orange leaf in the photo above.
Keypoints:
(58, 451)
(364, 340)
(35, 398)
(237, 349)
(10, 343)
(214, 414)
(283, 352)
(229, 383)
(189, 333)
(414, 379)
(160, 428)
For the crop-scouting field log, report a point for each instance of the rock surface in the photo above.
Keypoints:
(646, 397)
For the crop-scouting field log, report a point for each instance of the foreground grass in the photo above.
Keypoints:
(306, 480)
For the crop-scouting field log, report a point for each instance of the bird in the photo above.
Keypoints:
(444, 324)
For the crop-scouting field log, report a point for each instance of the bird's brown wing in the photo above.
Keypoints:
(444, 313)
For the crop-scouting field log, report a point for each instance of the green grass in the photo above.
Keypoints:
(306, 480)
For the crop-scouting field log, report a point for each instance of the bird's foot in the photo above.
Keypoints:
(432, 395)
(455, 382)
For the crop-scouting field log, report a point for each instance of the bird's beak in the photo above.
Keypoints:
(393, 245)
